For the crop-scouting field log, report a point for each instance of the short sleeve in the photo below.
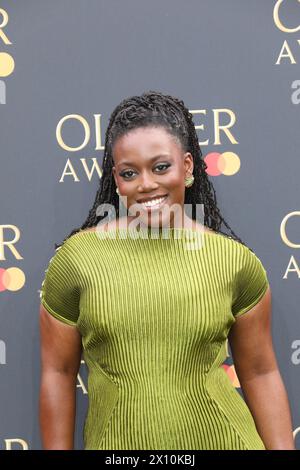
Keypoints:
(250, 284)
(60, 293)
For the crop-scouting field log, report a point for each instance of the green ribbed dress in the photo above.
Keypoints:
(154, 311)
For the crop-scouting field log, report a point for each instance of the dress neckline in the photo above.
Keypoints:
(147, 230)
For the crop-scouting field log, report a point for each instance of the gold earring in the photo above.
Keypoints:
(188, 181)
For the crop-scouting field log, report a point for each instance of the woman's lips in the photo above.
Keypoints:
(154, 207)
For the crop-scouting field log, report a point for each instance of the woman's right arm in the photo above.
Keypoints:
(61, 349)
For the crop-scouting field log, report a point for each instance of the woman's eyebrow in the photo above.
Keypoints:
(166, 155)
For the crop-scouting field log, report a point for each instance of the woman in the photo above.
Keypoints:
(152, 314)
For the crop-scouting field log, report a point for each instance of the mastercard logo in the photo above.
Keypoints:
(7, 64)
(230, 371)
(11, 279)
(226, 163)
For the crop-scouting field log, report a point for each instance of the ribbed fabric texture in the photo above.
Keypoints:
(154, 315)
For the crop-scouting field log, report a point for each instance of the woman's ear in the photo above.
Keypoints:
(188, 162)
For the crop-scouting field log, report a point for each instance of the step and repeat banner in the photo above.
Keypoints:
(64, 66)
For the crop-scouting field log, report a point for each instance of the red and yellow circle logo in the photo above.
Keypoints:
(7, 64)
(226, 163)
(12, 279)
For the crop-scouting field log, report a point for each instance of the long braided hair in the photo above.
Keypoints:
(150, 109)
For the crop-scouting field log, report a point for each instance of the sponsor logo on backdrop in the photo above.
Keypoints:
(290, 47)
(11, 278)
(7, 63)
(89, 133)
(226, 163)
(293, 264)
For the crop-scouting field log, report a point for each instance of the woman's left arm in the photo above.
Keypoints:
(250, 340)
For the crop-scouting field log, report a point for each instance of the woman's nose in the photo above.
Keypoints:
(147, 182)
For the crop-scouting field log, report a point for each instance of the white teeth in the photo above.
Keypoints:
(154, 202)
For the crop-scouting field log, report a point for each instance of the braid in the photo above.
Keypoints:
(156, 109)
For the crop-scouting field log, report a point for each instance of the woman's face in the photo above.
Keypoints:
(150, 164)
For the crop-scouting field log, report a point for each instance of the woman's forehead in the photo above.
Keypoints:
(146, 141)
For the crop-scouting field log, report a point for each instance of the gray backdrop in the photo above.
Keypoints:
(76, 57)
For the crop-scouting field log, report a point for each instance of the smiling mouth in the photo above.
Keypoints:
(153, 205)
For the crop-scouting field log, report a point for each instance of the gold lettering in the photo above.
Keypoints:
(200, 111)
(98, 132)
(71, 172)
(81, 384)
(80, 381)
(289, 54)
(86, 128)
(88, 172)
(278, 22)
(224, 128)
(291, 270)
(283, 229)
(21, 442)
(2, 25)
(297, 430)
(10, 243)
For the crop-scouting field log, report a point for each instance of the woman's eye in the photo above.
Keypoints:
(129, 173)
(165, 165)
(125, 174)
